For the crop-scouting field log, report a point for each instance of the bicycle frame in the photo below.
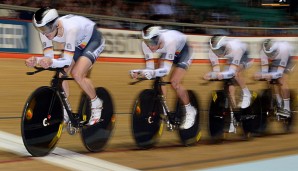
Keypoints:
(56, 84)
(226, 85)
(150, 111)
(42, 117)
(157, 87)
(272, 85)
(168, 117)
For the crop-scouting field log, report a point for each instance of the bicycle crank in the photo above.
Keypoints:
(71, 129)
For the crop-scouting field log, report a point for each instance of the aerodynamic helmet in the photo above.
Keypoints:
(150, 31)
(44, 19)
(218, 44)
(267, 46)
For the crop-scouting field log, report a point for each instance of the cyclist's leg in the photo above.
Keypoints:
(65, 83)
(277, 95)
(176, 77)
(182, 94)
(245, 91)
(79, 73)
(285, 91)
(232, 90)
(65, 87)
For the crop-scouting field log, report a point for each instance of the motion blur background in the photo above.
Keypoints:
(120, 21)
(128, 14)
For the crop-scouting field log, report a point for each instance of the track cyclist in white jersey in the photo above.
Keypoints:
(237, 60)
(276, 63)
(173, 49)
(83, 44)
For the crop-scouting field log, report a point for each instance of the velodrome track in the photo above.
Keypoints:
(260, 153)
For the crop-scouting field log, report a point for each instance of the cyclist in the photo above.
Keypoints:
(173, 49)
(82, 45)
(237, 60)
(279, 53)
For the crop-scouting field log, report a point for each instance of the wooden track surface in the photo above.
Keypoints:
(16, 86)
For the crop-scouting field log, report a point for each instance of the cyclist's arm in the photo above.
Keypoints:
(166, 60)
(229, 73)
(237, 55)
(214, 61)
(47, 45)
(284, 57)
(69, 49)
(148, 54)
(164, 69)
(264, 62)
(215, 66)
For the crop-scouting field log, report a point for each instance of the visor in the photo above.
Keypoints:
(271, 54)
(48, 28)
(151, 42)
(219, 51)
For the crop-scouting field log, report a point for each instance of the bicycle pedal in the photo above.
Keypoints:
(170, 128)
(71, 130)
(83, 123)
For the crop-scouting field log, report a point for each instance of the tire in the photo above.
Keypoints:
(288, 124)
(268, 105)
(147, 125)
(96, 137)
(41, 124)
(253, 119)
(193, 134)
(218, 112)
(269, 108)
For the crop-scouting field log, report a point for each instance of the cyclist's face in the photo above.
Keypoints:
(52, 34)
(272, 54)
(153, 48)
(153, 43)
(220, 52)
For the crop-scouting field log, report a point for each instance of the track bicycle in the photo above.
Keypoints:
(270, 107)
(42, 117)
(226, 117)
(150, 113)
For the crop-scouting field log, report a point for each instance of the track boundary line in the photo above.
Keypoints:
(59, 157)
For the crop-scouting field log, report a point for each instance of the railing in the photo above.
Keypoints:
(137, 24)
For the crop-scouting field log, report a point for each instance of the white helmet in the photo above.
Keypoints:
(218, 44)
(44, 19)
(217, 41)
(267, 46)
(150, 31)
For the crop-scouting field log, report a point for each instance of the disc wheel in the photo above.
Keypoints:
(41, 124)
(193, 134)
(253, 119)
(218, 111)
(147, 126)
(96, 137)
(288, 123)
